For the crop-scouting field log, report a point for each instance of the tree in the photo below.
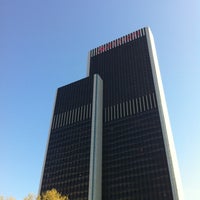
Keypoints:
(52, 194)
(8, 198)
(30, 197)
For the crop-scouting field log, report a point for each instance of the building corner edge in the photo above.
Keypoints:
(165, 122)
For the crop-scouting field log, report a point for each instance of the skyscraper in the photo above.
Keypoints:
(136, 159)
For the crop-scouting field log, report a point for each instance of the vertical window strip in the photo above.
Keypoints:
(75, 115)
(130, 106)
(64, 116)
(56, 125)
(140, 105)
(78, 114)
(146, 97)
(70, 117)
(124, 113)
(117, 111)
(143, 103)
(84, 112)
(57, 120)
(136, 103)
(114, 111)
(154, 100)
(133, 103)
(67, 118)
(120, 110)
(127, 108)
(81, 113)
(151, 105)
(61, 119)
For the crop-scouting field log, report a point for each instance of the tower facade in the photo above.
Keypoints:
(136, 159)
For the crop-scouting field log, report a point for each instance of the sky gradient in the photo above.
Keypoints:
(44, 45)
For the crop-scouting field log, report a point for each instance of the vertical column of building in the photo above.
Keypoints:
(95, 175)
(165, 123)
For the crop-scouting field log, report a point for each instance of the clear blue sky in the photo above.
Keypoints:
(44, 45)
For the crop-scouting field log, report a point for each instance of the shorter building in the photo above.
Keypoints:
(73, 158)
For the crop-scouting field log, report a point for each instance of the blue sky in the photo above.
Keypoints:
(44, 45)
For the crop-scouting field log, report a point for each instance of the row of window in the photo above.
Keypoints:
(120, 110)
(68, 180)
(57, 167)
(130, 107)
(133, 168)
(156, 193)
(133, 143)
(72, 116)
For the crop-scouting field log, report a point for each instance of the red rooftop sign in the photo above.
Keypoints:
(118, 42)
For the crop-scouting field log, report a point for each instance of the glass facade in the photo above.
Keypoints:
(136, 152)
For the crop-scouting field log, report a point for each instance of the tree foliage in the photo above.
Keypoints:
(8, 198)
(52, 194)
(30, 197)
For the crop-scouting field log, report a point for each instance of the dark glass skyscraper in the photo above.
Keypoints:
(76, 128)
(123, 105)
